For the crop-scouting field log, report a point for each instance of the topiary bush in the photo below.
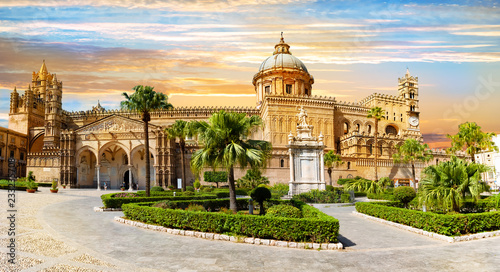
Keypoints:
(195, 208)
(261, 194)
(283, 210)
(188, 193)
(190, 188)
(404, 194)
(166, 204)
(157, 189)
(330, 188)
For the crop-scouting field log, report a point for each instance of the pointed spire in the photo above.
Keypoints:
(43, 69)
(29, 87)
(54, 79)
(15, 89)
(407, 72)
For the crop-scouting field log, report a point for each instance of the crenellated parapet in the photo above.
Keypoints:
(305, 100)
(376, 97)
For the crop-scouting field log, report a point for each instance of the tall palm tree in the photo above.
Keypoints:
(377, 114)
(412, 151)
(181, 129)
(332, 160)
(225, 145)
(446, 184)
(471, 138)
(144, 100)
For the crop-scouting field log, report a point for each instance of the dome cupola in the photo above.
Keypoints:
(282, 74)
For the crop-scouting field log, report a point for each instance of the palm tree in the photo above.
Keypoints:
(225, 145)
(472, 138)
(181, 129)
(368, 186)
(377, 114)
(446, 184)
(332, 160)
(412, 151)
(145, 100)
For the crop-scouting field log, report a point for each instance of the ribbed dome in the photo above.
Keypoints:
(282, 58)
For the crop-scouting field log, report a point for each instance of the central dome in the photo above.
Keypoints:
(282, 58)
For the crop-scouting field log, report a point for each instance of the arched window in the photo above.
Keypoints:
(306, 92)
(369, 129)
(370, 149)
(288, 88)
(391, 130)
(282, 163)
(348, 165)
(267, 89)
(346, 128)
(357, 127)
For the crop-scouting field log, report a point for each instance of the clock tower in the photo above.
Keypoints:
(408, 90)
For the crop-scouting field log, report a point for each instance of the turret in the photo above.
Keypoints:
(14, 101)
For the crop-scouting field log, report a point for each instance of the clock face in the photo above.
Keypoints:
(413, 121)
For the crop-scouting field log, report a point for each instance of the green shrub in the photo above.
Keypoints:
(404, 194)
(283, 210)
(359, 194)
(446, 224)
(188, 193)
(157, 189)
(280, 187)
(383, 196)
(197, 184)
(261, 194)
(330, 188)
(190, 188)
(345, 198)
(252, 178)
(195, 208)
(207, 189)
(317, 196)
(215, 177)
(166, 204)
(110, 201)
(314, 227)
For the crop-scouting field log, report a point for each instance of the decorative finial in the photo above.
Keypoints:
(15, 89)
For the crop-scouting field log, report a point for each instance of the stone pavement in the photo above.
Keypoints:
(62, 233)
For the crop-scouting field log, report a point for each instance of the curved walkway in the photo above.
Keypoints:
(370, 246)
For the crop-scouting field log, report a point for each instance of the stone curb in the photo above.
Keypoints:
(449, 239)
(234, 239)
(102, 209)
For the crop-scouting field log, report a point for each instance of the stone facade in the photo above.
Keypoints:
(78, 147)
(12, 145)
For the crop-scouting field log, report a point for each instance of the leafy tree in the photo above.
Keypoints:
(471, 138)
(261, 194)
(181, 129)
(377, 114)
(412, 151)
(332, 160)
(145, 100)
(252, 179)
(446, 184)
(226, 144)
(215, 177)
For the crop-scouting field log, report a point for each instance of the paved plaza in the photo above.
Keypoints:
(61, 232)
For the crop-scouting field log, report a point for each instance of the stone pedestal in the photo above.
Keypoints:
(307, 162)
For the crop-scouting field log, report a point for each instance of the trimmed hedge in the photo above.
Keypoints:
(110, 201)
(19, 185)
(317, 227)
(446, 224)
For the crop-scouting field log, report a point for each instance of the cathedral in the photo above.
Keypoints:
(85, 148)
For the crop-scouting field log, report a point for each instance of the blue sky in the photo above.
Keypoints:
(206, 52)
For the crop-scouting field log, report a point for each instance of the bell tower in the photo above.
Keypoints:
(53, 113)
(408, 90)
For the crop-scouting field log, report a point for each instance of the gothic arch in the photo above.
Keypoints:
(139, 147)
(86, 148)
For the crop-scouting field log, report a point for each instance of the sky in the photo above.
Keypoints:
(205, 53)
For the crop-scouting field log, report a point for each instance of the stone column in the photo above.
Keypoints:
(322, 166)
(130, 178)
(98, 178)
(290, 184)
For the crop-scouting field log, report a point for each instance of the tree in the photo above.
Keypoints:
(404, 194)
(367, 186)
(215, 176)
(261, 194)
(252, 178)
(145, 100)
(225, 145)
(446, 184)
(412, 151)
(471, 138)
(377, 114)
(332, 160)
(181, 129)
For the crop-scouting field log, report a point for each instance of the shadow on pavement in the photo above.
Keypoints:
(346, 242)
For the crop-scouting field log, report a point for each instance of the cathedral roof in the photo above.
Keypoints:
(282, 58)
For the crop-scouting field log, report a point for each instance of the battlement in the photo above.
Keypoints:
(382, 97)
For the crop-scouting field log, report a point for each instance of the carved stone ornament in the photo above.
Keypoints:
(114, 124)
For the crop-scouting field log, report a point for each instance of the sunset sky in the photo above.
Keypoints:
(206, 52)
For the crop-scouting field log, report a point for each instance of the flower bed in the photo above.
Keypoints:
(450, 225)
(314, 227)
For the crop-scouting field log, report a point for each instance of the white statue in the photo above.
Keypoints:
(302, 115)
